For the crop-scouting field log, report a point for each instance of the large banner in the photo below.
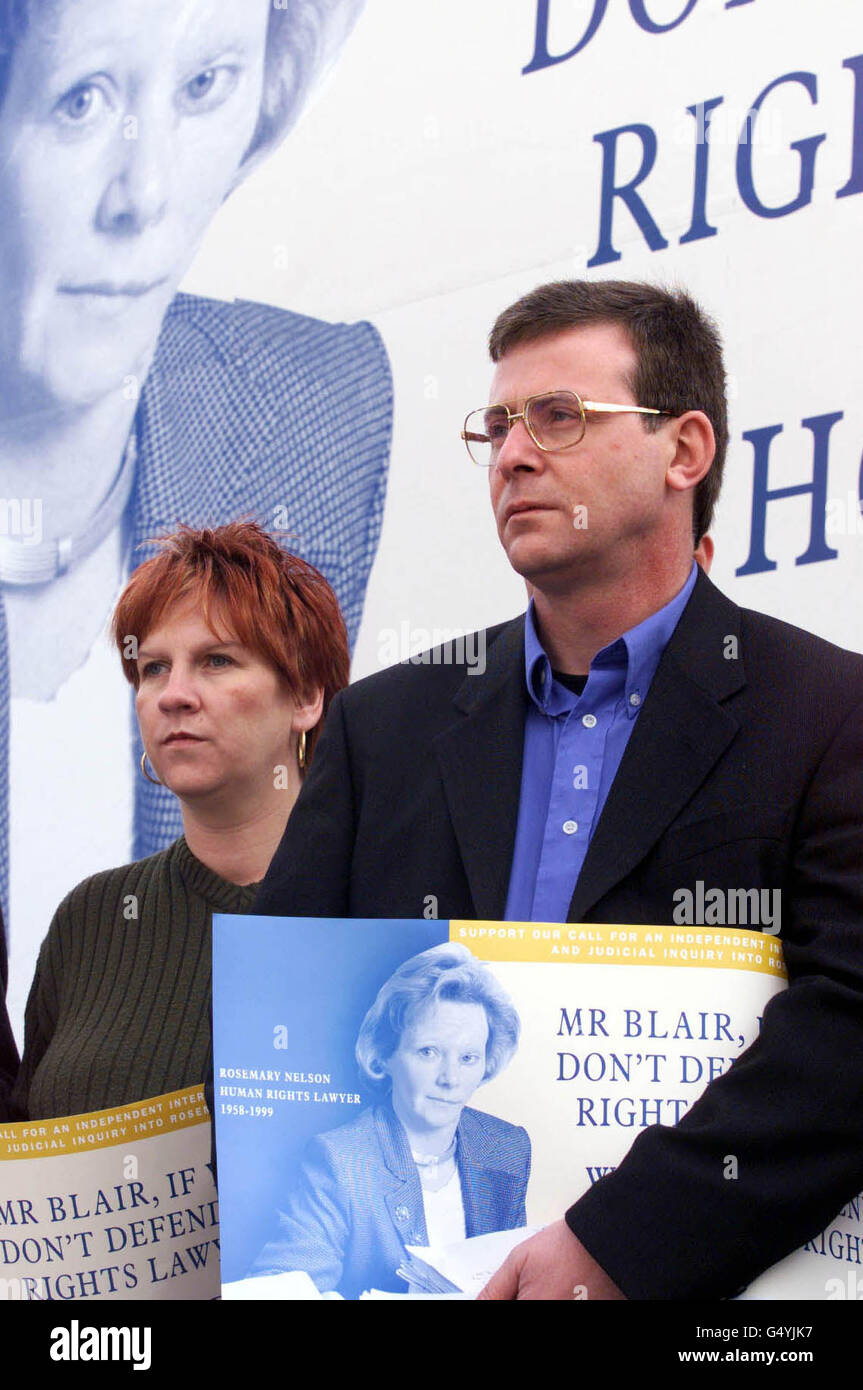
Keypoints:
(131, 402)
(398, 1103)
(177, 278)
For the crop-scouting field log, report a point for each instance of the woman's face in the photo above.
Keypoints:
(122, 131)
(438, 1064)
(215, 717)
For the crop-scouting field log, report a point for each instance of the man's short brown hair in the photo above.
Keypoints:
(678, 347)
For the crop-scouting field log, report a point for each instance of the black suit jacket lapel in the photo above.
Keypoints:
(681, 732)
(480, 760)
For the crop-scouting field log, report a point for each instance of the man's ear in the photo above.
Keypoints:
(704, 553)
(695, 446)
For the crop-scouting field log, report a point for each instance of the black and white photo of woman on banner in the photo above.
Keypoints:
(129, 406)
(418, 1165)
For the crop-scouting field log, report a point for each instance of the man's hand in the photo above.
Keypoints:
(551, 1265)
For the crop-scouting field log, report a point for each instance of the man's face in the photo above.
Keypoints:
(122, 131)
(589, 510)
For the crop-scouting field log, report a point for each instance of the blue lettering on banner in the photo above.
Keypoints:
(806, 148)
(699, 227)
(541, 56)
(817, 549)
(625, 192)
(855, 182)
(652, 26)
(544, 58)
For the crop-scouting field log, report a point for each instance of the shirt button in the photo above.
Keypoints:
(589, 721)
(402, 1214)
(570, 827)
(635, 698)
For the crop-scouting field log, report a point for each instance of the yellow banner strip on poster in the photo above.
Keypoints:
(600, 943)
(102, 1129)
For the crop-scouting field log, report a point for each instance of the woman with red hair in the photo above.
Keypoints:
(234, 649)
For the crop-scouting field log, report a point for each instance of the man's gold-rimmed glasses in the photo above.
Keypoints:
(555, 420)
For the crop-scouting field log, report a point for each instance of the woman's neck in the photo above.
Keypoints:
(237, 847)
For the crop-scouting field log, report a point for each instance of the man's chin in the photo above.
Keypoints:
(548, 572)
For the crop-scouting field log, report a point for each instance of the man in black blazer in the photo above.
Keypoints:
(743, 769)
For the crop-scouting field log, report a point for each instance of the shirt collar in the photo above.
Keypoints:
(637, 652)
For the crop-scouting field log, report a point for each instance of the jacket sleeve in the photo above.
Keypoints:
(668, 1223)
(310, 873)
(314, 1227)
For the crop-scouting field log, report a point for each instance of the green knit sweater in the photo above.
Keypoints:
(119, 1008)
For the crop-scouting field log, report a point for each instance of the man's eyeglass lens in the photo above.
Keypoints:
(555, 420)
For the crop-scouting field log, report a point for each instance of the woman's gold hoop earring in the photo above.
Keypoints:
(301, 750)
(154, 780)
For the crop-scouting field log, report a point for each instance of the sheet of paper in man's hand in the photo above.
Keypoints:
(465, 1266)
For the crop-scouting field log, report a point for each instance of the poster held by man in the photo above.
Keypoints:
(358, 1148)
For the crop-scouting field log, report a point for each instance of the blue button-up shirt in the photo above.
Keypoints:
(573, 746)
